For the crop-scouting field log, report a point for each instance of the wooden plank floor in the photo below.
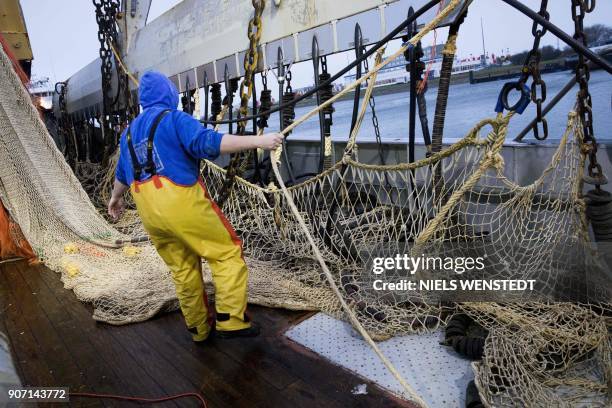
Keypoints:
(55, 342)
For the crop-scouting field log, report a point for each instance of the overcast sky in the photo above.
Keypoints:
(64, 33)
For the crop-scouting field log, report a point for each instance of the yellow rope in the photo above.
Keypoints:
(412, 42)
(352, 142)
(451, 45)
(488, 160)
(220, 116)
(122, 65)
(275, 159)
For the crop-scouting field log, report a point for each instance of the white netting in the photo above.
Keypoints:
(47, 201)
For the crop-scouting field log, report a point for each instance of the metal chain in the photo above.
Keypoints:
(63, 122)
(112, 117)
(251, 58)
(187, 99)
(106, 14)
(288, 112)
(264, 79)
(372, 104)
(288, 77)
(265, 101)
(584, 102)
(239, 160)
(327, 92)
(531, 67)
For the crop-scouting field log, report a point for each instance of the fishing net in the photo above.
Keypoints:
(457, 202)
(558, 352)
(65, 230)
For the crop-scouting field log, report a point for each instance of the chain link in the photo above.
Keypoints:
(531, 67)
(584, 102)
(288, 77)
(288, 112)
(239, 161)
(251, 59)
(64, 120)
(106, 15)
(372, 104)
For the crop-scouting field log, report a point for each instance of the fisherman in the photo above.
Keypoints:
(159, 160)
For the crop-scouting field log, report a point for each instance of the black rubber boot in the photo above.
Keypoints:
(252, 331)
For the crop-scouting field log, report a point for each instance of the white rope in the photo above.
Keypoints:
(274, 159)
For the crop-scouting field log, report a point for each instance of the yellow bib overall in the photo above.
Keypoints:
(185, 225)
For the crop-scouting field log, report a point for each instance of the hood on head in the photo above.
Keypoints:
(156, 89)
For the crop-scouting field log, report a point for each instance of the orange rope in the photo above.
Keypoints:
(432, 55)
(140, 399)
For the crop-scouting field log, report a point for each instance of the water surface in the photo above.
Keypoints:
(467, 105)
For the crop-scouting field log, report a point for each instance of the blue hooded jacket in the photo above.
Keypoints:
(180, 140)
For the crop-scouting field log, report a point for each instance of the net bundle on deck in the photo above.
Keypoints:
(459, 201)
(64, 229)
(535, 351)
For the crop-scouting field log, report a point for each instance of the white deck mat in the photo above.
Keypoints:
(436, 372)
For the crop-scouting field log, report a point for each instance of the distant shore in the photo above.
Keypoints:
(492, 73)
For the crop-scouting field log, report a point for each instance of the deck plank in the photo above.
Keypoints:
(91, 361)
(121, 364)
(44, 334)
(56, 342)
(209, 372)
(27, 355)
(252, 356)
(245, 375)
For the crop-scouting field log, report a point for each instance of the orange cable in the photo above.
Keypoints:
(140, 399)
(423, 83)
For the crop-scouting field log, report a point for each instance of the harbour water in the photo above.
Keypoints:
(467, 105)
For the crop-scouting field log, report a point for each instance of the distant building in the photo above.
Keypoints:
(395, 71)
(41, 92)
(301, 91)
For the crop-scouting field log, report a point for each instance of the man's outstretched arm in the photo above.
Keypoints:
(233, 143)
(203, 143)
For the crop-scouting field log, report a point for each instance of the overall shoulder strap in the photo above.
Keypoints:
(149, 164)
(135, 163)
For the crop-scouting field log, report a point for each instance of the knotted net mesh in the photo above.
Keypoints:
(456, 202)
(55, 214)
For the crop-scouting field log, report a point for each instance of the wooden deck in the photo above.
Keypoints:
(55, 342)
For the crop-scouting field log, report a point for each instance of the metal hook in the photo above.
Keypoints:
(413, 27)
(520, 106)
(315, 54)
(358, 37)
(61, 85)
(281, 67)
(226, 79)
